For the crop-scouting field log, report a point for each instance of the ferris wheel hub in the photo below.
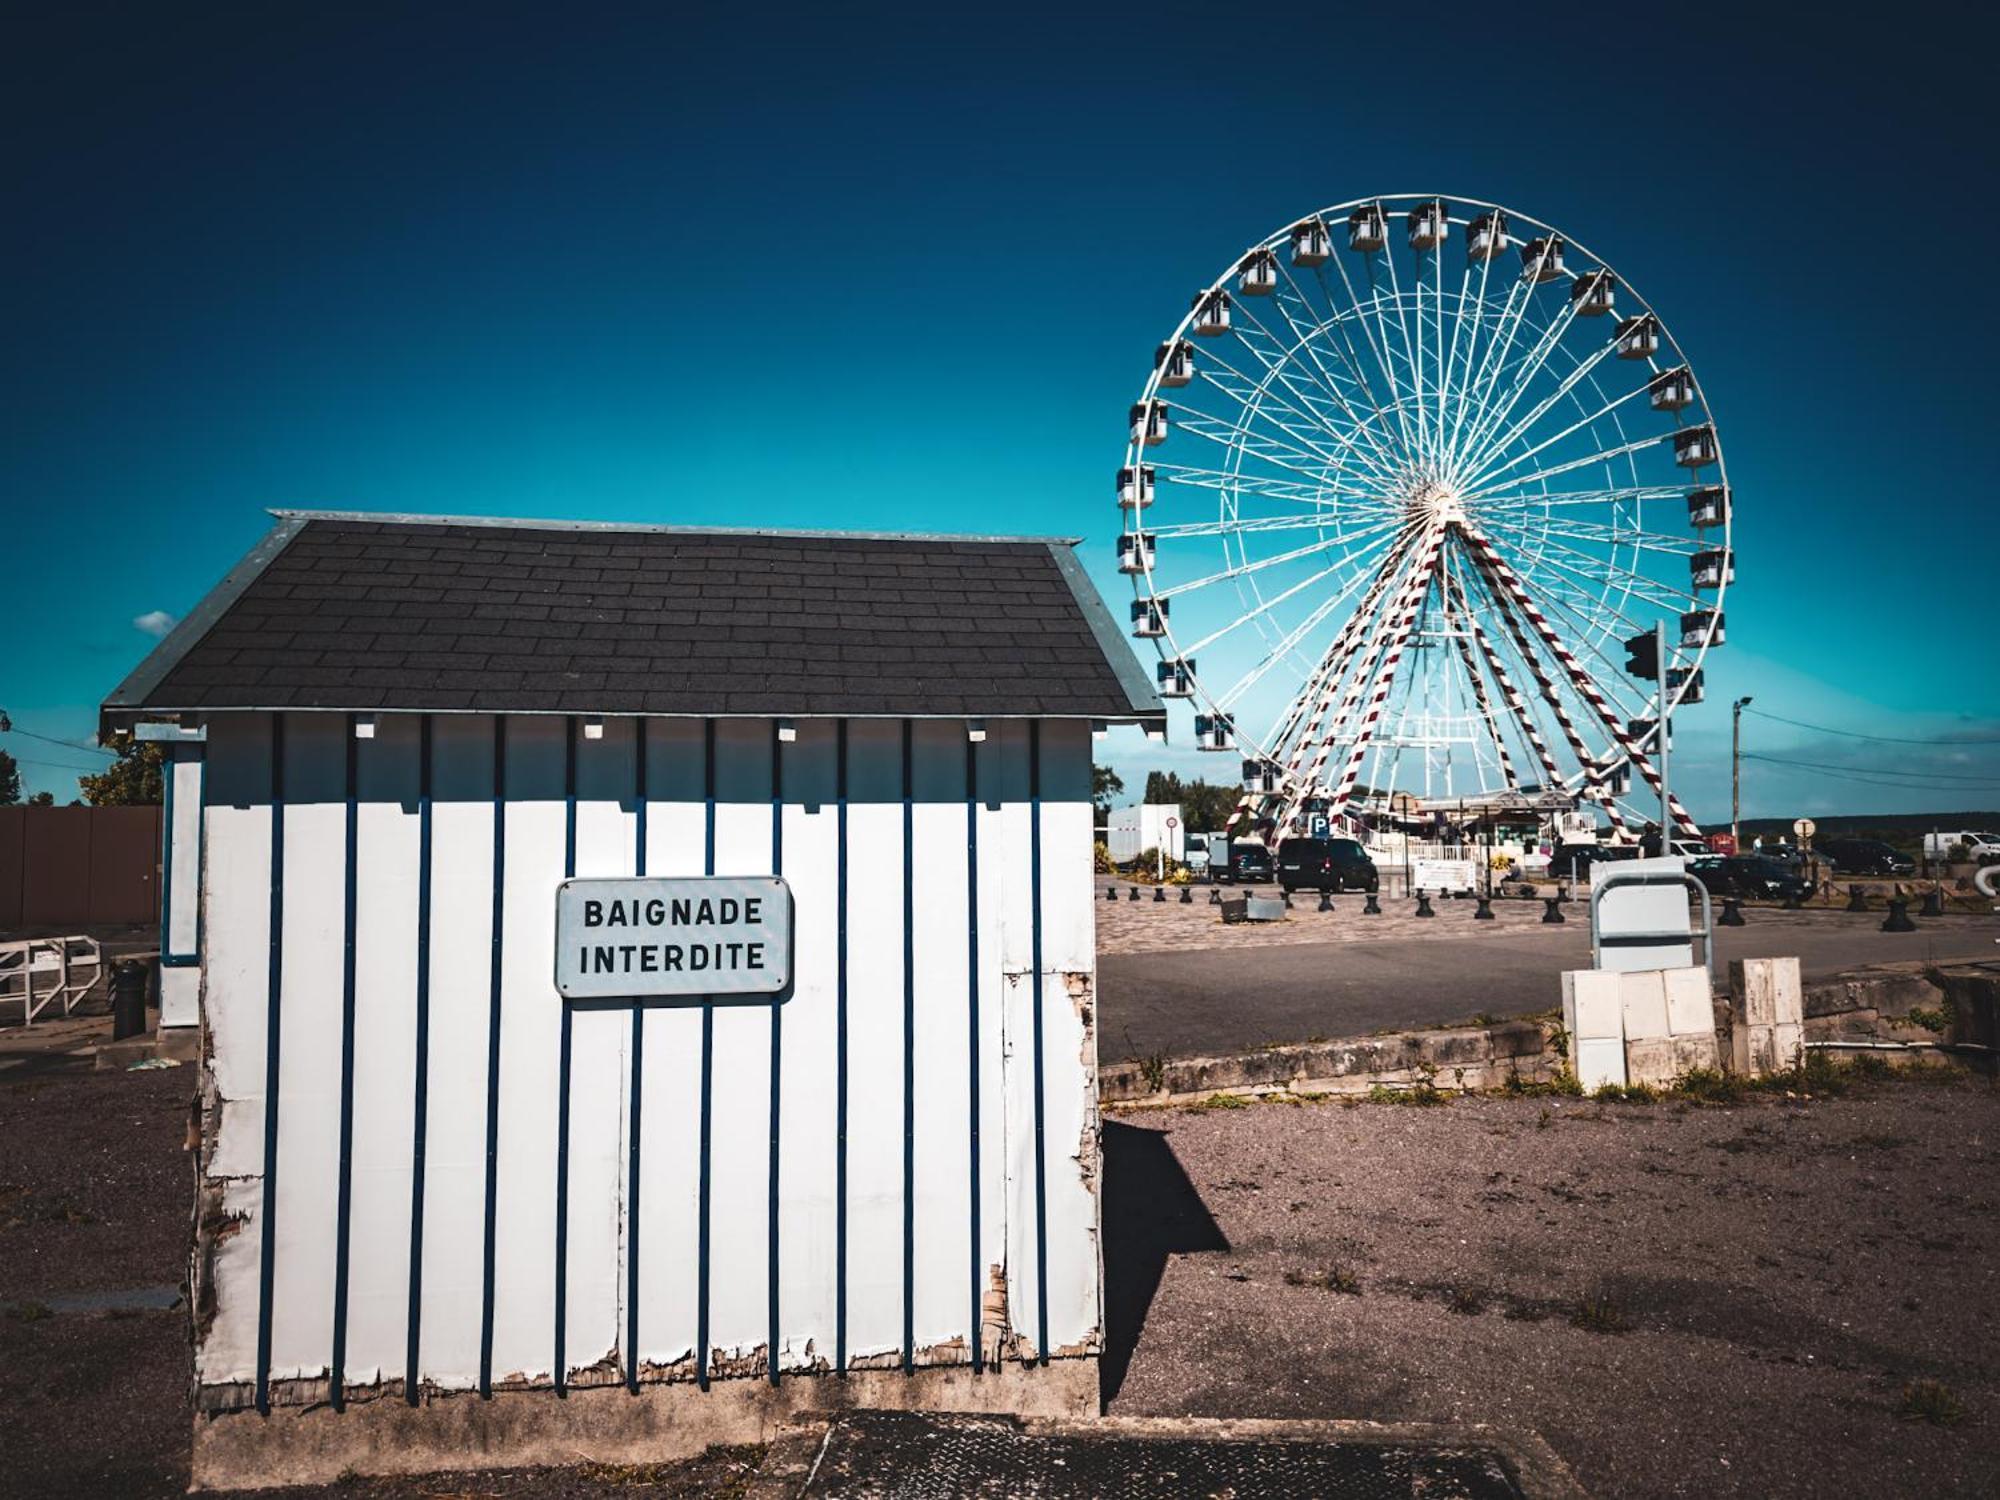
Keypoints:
(1430, 497)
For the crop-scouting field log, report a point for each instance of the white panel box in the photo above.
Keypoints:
(1642, 995)
(1599, 1060)
(1591, 1006)
(1690, 1008)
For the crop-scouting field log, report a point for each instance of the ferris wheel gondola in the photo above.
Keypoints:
(1407, 502)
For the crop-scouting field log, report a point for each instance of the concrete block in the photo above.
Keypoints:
(1750, 985)
(1642, 995)
(1599, 1060)
(1690, 1007)
(1662, 1060)
(1754, 1050)
(1788, 1044)
(1787, 991)
(1591, 1005)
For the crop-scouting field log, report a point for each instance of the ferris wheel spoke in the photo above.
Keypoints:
(1276, 559)
(1487, 472)
(1236, 435)
(1338, 320)
(1498, 348)
(1473, 321)
(1520, 379)
(1377, 345)
(1307, 343)
(1608, 574)
(1330, 493)
(1410, 353)
(1529, 500)
(1290, 642)
(1259, 404)
(1603, 456)
(1624, 536)
(1541, 408)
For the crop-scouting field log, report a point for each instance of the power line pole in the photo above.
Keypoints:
(1666, 734)
(1736, 769)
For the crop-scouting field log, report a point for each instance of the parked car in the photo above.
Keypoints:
(1326, 865)
(1573, 861)
(1748, 877)
(1249, 862)
(1197, 858)
(1865, 857)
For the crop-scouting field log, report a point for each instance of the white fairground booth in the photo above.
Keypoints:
(805, 1119)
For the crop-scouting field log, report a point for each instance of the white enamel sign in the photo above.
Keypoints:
(701, 937)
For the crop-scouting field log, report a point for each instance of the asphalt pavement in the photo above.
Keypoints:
(1193, 1002)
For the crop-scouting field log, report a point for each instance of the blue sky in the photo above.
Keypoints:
(905, 268)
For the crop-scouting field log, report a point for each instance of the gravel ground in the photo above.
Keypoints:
(1684, 1300)
(1781, 1270)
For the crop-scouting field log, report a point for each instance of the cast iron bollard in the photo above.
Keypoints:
(1111, 893)
(1898, 919)
(128, 998)
(1856, 900)
(1288, 900)
(1485, 912)
(1135, 894)
(1214, 896)
(1933, 902)
(1187, 895)
(1562, 895)
(1732, 913)
(1424, 905)
(1159, 894)
(1326, 901)
(1552, 909)
(1373, 908)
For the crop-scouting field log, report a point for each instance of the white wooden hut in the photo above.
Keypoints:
(433, 1196)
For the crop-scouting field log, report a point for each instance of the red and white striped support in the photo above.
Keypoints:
(1571, 734)
(1519, 705)
(1321, 687)
(1502, 577)
(1408, 602)
(1464, 640)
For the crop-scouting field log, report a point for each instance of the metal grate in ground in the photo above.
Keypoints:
(925, 1456)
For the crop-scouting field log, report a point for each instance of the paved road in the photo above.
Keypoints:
(1214, 1000)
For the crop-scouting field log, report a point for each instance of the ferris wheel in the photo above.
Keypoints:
(1404, 484)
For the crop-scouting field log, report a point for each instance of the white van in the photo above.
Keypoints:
(1984, 847)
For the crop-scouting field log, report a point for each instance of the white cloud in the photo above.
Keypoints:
(155, 622)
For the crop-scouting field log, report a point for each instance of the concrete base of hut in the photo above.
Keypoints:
(298, 1445)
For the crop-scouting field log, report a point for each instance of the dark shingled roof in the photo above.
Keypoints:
(336, 611)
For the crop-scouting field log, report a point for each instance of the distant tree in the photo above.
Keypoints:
(1105, 784)
(1205, 807)
(132, 780)
(10, 780)
(42, 799)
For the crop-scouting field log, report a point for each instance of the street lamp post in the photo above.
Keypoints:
(1736, 768)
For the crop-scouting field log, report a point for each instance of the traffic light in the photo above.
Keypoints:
(1642, 656)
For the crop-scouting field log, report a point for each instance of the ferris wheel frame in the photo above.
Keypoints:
(1460, 430)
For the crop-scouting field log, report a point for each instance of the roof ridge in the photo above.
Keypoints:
(524, 523)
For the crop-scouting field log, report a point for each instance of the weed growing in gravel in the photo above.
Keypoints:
(1221, 1101)
(1630, 1093)
(1930, 1401)
(1335, 1278)
(1599, 1314)
(1564, 1083)
(1422, 1093)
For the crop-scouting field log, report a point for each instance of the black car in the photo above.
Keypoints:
(1573, 861)
(1249, 862)
(1865, 857)
(1747, 877)
(1326, 865)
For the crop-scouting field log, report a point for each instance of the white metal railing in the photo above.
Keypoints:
(36, 973)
